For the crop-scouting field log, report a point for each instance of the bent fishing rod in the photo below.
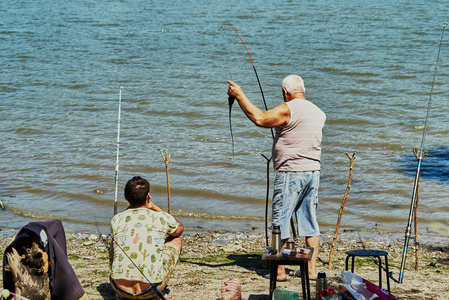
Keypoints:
(231, 101)
(118, 149)
(418, 168)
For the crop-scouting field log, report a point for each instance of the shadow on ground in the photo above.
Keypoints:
(106, 291)
(251, 262)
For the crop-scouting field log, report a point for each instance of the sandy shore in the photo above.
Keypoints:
(209, 258)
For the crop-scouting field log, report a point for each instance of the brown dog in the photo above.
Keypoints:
(29, 266)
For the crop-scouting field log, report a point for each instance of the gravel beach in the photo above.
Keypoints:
(209, 258)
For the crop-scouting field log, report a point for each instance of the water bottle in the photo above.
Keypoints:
(280, 294)
(276, 243)
(321, 284)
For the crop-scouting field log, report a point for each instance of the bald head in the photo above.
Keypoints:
(293, 84)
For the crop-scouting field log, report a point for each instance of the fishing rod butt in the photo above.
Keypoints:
(405, 250)
(401, 275)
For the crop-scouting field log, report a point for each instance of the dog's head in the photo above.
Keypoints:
(33, 254)
(35, 257)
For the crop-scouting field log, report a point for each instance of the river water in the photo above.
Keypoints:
(368, 65)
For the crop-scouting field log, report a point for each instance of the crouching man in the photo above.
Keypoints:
(145, 237)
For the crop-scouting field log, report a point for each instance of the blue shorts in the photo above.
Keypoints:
(296, 193)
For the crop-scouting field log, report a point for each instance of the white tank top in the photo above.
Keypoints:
(297, 145)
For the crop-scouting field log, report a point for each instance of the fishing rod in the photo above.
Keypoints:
(118, 149)
(418, 168)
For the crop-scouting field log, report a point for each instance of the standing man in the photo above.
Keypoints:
(296, 156)
(150, 238)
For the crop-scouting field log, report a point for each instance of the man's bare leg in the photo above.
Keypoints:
(174, 240)
(281, 268)
(314, 242)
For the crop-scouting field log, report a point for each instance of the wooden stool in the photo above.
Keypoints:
(370, 253)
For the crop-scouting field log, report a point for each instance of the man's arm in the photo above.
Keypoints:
(278, 116)
(180, 228)
(154, 207)
(178, 231)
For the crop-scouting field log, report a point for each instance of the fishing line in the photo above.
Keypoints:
(118, 149)
(267, 197)
(418, 168)
(230, 102)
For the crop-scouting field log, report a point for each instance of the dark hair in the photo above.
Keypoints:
(136, 191)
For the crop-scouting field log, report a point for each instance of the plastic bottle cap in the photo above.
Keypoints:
(5, 294)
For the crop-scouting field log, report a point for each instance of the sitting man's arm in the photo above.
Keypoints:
(180, 228)
(154, 207)
(178, 231)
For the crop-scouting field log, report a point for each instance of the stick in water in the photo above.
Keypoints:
(166, 159)
(118, 149)
(331, 254)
